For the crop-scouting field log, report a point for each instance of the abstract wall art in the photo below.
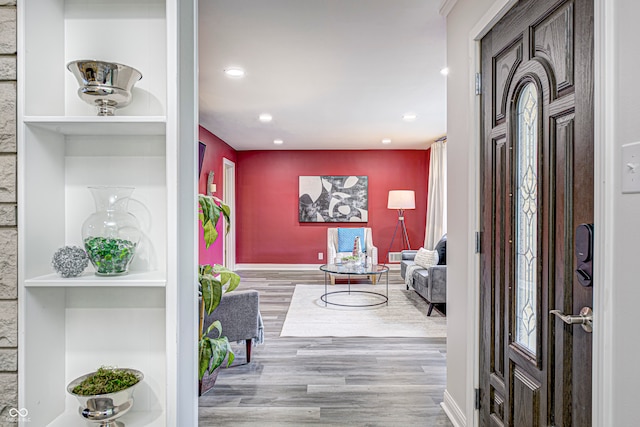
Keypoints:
(333, 199)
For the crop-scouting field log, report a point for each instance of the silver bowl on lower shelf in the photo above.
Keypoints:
(107, 85)
(104, 409)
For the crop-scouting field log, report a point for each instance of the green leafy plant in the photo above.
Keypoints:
(214, 281)
(211, 208)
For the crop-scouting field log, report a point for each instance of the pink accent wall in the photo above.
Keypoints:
(267, 201)
(216, 150)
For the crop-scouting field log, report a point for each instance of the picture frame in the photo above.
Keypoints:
(333, 198)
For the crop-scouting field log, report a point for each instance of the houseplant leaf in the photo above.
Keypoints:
(210, 233)
(226, 211)
(213, 351)
(213, 282)
(204, 356)
(211, 292)
(221, 349)
(205, 269)
(229, 279)
(209, 216)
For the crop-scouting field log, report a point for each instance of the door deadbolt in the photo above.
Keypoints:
(584, 319)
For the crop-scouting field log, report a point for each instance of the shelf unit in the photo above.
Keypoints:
(146, 319)
(108, 125)
(153, 279)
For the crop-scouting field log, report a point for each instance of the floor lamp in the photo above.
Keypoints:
(401, 200)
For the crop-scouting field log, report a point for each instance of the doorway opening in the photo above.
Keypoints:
(229, 198)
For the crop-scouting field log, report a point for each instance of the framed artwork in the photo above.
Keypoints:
(330, 198)
(203, 147)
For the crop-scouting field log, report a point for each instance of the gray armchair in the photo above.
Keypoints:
(239, 315)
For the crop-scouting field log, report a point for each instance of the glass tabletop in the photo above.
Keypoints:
(354, 269)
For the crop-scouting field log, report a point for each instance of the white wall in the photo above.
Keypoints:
(461, 189)
(624, 287)
(616, 350)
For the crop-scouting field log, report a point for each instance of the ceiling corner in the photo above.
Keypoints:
(446, 6)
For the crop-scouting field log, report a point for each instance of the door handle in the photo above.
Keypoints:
(585, 318)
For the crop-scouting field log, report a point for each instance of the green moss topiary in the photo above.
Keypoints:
(106, 380)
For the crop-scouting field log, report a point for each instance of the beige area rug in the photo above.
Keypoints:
(405, 316)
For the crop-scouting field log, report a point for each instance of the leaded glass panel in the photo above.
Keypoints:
(526, 220)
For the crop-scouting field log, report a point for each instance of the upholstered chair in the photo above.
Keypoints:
(239, 314)
(336, 251)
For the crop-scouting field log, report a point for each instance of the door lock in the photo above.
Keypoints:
(585, 318)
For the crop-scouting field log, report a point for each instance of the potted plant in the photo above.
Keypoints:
(214, 281)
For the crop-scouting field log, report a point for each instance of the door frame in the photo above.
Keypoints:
(229, 197)
(604, 53)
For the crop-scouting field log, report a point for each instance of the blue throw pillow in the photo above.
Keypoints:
(346, 237)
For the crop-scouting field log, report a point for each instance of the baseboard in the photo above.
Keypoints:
(299, 267)
(453, 411)
(294, 267)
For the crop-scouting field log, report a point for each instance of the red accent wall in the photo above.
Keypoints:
(216, 150)
(267, 201)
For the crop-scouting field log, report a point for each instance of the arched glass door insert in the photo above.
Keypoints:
(526, 218)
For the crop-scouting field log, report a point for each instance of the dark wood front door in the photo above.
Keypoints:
(537, 188)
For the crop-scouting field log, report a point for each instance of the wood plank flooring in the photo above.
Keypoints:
(326, 381)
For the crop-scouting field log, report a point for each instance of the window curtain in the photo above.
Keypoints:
(437, 195)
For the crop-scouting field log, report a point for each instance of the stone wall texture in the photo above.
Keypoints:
(8, 222)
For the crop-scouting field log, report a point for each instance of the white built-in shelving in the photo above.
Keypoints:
(109, 125)
(155, 279)
(145, 319)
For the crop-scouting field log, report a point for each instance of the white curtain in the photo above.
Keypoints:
(437, 196)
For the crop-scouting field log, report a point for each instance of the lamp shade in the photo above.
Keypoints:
(401, 199)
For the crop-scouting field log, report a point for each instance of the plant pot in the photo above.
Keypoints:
(207, 382)
(104, 409)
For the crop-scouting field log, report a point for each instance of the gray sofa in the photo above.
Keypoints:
(430, 283)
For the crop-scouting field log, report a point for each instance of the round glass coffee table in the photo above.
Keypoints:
(349, 271)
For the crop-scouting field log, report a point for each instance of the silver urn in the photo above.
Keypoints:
(107, 85)
(104, 409)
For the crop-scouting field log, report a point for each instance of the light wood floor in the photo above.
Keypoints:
(326, 381)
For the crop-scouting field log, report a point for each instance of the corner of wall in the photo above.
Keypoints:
(8, 210)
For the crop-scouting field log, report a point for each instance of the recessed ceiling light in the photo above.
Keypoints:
(234, 72)
(386, 141)
(265, 118)
(444, 71)
(409, 117)
(278, 141)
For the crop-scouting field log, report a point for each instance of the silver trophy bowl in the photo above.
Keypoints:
(107, 85)
(104, 409)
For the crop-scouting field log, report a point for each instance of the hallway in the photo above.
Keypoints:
(326, 381)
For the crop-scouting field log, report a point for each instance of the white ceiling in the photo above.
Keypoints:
(334, 74)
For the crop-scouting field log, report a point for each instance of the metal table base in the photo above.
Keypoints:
(385, 297)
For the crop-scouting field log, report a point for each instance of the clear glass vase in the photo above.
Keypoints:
(111, 233)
